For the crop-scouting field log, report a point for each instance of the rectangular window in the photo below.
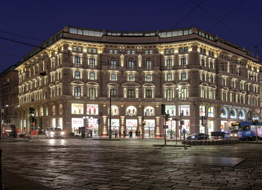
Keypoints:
(131, 93)
(183, 61)
(113, 77)
(233, 84)
(169, 93)
(203, 93)
(77, 75)
(131, 64)
(233, 98)
(180, 49)
(241, 100)
(169, 77)
(77, 91)
(148, 93)
(185, 49)
(222, 68)
(183, 76)
(169, 62)
(148, 78)
(59, 60)
(223, 81)
(211, 65)
(241, 86)
(133, 52)
(211, 96)
(89, 50)
(131, 77)
(128, 51)
(231, 70)
(146, 51)
(79, 48)
(224, 96)
(166, 51)
(77, 60)
(202, 62)
(74, 48)
(110, 51)
(211, 79)
(172, 50)
(115, 51)
(94, 50)
(249, 87)
(113, 63)
(148, 63)
(92, 92)
(150, 51)
(113, 93)
(203, 77)
(92, 76)
(92, 61)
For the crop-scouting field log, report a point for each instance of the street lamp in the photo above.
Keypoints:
(86, 123)
(180, 97)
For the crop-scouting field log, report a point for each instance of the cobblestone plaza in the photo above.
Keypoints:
(130, 164)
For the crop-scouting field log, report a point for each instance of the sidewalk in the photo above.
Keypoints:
(12, 181)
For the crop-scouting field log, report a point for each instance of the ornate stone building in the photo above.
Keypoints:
(192, 72)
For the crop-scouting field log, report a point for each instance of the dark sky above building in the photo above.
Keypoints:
(33, 19)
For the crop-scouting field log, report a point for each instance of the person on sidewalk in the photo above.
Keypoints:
(130, 134)
(119, 134)
(115, 133)
(124, 133)
(136, 133)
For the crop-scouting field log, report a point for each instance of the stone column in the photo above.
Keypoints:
(157, 127)
(104, 128)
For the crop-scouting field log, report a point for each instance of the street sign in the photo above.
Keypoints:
(165, 126)
(101, 113)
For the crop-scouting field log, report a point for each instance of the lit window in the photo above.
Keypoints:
(92, 61)
(92, 76)
(131, 77)
(77, 60)
(148, 93)
(146, 51)
(185, 49)
(77, 75)
(172, 50)
(183, 76)
(166, 51)
(115, 51)
(110, 51)
(74, 48)
(133, 51)
(113, 63)
(77, 91)
(94, 50)
(169, 77)
(183, 61)
(148, 77)
(92, 92)
(113, 93)
(131, 93)
(131, 64)
(79, 48)
(150, 51)
(180, 49)
(113, 77)
(128, 51)
(148, 63)
(169, 93)
(169, 62)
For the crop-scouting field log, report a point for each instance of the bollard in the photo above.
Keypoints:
(1, 171)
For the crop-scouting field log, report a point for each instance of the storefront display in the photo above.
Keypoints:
(92, 125)
(76, 123)
(171, 110)
(60, 109)
(210, 125)
(92, 109)
(185, 110)
(201, 127)
(114, 110)
(171, 128)
(131, 111)
(53, 109)
(149, 128)
(202, 110)
(210, 112)
(223, 126)
(60, 123)
(241, 115)
(54, 122)
(131, 125)
(185, 126)
(233, 114)
(149, 111)
(77, 108)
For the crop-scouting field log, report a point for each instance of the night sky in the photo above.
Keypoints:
(33, 19)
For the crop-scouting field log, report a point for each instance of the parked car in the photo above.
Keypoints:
(54, 133)
(198, 136)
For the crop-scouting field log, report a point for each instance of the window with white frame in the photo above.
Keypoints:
(77, 91)
(92, 76)
(203, 93)
(94, 50)
(131, 63)
(133, 52)
(77, 60)
(169, 77)
(111, 51)
(92, 92)
(169, 62)
(233, 84)
(203, 77)
(183, 61)
(131, 93)
(183, 76)
(169, 93)
(115, 51)
(79, 48)
(148, 63)
(148, 77)
(92, 61)
(211, 65)
(128, 51)
(223, 81)
(241, 99)
(224, 96)
(131, 77)
(113, 93)
(150, 51)
(146, 51)
(113, 77)
(148, 93)
(211, 94)
(113, 63)
(77, 75)
(89, 50)
(211, 79)
(202, 62)
(233, 98)
(184, 92)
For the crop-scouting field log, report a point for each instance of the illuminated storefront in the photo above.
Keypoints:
(149, 111)
(93, 126)
(92, 109)
(131, 111)
(115, 125)
(114, 110)
(149, 129)
(210, 112)
(210, 126)
(171, 127)
(77, 108)
(131, 125)
(185, 110)
(171, 110)
(223, 126)
(185, 126)
(54, 122)
(60, 123)
(76, 123)
(202, 111)
(241, 115)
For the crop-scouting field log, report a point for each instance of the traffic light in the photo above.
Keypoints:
(163, 109)
(144, 123)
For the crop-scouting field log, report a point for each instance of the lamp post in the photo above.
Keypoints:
(86, 123)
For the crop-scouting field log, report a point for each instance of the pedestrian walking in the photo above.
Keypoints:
(136, 133)
(124, 133)
(115, 133)
(119, 134)
(130, 134)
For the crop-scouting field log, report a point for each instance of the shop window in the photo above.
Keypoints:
(202, 111)
(92, 109)
(131, 111)
(149, 111)
(171, 110)
(184, 110)
(114, 110)
(233, 114)
(53, 109)
(210, 112)
(77, 108)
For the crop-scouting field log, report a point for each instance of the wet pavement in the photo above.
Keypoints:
(133, 164)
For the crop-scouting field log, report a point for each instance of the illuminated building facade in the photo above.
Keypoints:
(71, 75)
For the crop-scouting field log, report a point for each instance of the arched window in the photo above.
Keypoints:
(241, 115)
(233, 114)
(131, 111)
(60, 109)
(223, 113)
(53, 109)
(149, 111)
(114, 110)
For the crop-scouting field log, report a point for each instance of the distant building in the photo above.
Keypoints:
(71, 75)
(9, 96)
